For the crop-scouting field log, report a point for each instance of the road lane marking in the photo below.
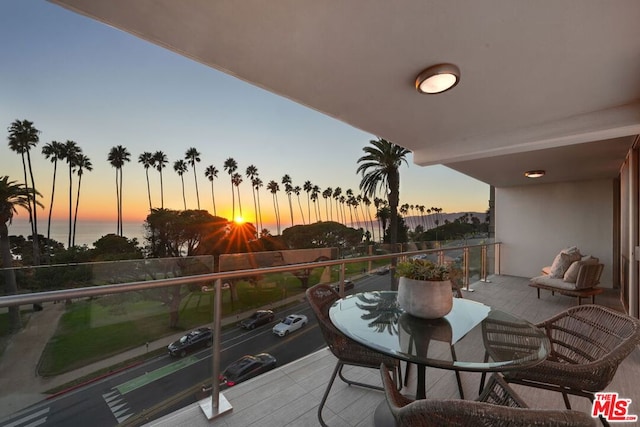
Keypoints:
(23, 420)
(149, 377)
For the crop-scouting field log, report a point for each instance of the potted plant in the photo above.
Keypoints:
(424, 289)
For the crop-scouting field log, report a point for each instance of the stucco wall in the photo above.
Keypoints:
(535, 222)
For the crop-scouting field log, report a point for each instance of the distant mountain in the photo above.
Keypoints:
(429, 220)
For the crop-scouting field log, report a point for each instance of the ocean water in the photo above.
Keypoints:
(87, 231)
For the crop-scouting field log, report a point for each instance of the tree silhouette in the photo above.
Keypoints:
(117, 157)
(181, 168)
(230, 165)
(12, 197)
(83, 163)
(256, 183)
(70, 154)
(236, 180)
(53, 151)
(22, 137)
(211, 172)
(160, 161)
(288, 189)
(147, 160)
(379, 167)
(273, 187)
(192, 156)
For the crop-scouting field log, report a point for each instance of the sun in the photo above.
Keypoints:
(239, 220)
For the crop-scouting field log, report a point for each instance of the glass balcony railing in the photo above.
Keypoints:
(96, 335)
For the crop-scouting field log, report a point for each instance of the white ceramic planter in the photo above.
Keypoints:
(424, 298)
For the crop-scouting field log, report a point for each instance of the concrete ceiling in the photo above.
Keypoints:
(546, 84)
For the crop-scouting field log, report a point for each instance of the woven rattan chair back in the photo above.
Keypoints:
(588, 343)
(320, 297)
(498, 405)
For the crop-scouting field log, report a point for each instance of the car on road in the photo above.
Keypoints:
(247, 367)
(291, 323)
(382, 271)
(348, 284)
(260, 317)
(194, 340)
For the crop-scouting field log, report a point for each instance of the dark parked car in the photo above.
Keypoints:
(194, 340)
(247, 367)
(348, 284)
(260, 317)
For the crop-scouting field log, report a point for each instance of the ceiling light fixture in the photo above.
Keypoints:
(534, 174)
(438, 78)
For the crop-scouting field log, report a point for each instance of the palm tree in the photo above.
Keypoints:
(288, 188)
(314, 198)
(367, 202)
(160, 161)
(54, 151)
(252, 173)
(211, 172)
(83, 163)
(273, 187)
(147, 161)
(230, 165)
(236, 180)
(326, 194)
(70, 151)
(307, 187)
(379, 167)
(296, 191)
(181, 168)
(256, 183)
(22, 137)
(192, 156)
(118, 155)
(336, 195)
(12, 196)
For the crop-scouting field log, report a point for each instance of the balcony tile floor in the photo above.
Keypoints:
(289, 396)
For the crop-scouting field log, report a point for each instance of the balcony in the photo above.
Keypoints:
(290, 394)
(300, 384)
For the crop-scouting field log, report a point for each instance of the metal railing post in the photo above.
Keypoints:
(217, 404)
(483, 267)
(465, 261)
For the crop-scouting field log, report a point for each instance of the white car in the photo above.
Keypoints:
(289, 324)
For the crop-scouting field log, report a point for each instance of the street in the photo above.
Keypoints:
(114, 399)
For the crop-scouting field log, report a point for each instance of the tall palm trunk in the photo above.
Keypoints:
(36, 245)
(9, 277)
(259, 211)
(233, 203)
(213, 199)
(301, 212)
(255, 210)
(239, 201)
(195, 178)
(146, 171)
(71, 201)
(117, 205)
(75, 217)
(53, 191)
(162, 192)
(184, 199)
(120, 213)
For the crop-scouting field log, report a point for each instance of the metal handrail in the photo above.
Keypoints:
(218, 405)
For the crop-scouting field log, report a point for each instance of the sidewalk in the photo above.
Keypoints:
(18, 376)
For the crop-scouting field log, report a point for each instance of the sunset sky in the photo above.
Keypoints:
(81, 80)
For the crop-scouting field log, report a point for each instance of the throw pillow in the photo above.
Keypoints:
(571, 274)
(563, 260)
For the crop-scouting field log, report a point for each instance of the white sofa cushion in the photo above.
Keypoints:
(553, 282)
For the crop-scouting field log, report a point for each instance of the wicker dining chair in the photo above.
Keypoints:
(348, 352)
(498, 405)
(588, 343)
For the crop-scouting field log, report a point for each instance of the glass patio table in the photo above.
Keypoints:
(472, 337)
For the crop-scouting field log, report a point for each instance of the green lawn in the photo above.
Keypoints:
(93, 329)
